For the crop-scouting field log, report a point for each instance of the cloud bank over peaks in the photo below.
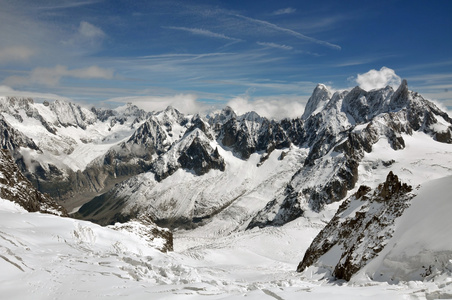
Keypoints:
(378, 79)
(286, 106)
(185, 103)
(6, 91)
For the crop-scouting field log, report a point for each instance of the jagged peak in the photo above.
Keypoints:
(320, 96)
(171, 108)
(223, 116)
(172, 111)
(228, 111)
(401, 96)
(251, 116)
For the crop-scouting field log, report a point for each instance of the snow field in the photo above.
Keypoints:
(48, 257)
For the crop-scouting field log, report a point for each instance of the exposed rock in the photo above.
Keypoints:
(359, 230)
(15, 187)
(277, 214)
(200, 158)
(144, 228)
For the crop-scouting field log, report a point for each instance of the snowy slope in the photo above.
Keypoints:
(46, 257)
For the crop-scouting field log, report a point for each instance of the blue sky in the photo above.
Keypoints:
(194, 54)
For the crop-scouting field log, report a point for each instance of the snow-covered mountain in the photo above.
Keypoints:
(54, 142)
(345, 130)
(265, 172)
(246, 195)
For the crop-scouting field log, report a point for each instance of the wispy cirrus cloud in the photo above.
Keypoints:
(52, 76)
(284, 11)
(274, 45)
(186, 103)
(204, 32)
(66, 4)
(288, 31)
(87, 36)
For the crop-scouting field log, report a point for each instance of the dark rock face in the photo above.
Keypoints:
(15, 187)
(252, 133)
(198, 158)
(287, 211)
(360, 228)
(12, 139)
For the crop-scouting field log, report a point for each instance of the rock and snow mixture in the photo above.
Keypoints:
(246, 197)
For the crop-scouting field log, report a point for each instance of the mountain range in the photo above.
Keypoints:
(223, 173)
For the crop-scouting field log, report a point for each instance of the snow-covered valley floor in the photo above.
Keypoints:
(48, 257)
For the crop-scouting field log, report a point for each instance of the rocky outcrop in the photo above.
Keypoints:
(15, 187)
(143, 227)
(12, 139)
(251, 133)
(201, 158)
(192, 153)
(359, 230)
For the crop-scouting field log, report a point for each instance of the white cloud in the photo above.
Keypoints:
(185, 103)
(274, 45)
(284, 11)
(88, 37)
(17, 53)
(286, 106)
(90, 31)
(52, 76)
(378, 79)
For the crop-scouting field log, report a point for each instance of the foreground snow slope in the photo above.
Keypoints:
(49, 257)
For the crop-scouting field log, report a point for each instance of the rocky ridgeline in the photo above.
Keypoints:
(359, 230)
(14, 186)
(340, 129)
